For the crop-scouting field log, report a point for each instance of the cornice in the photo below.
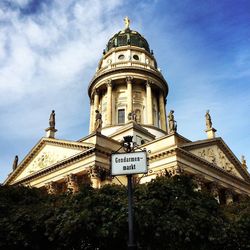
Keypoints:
(159, 155)
(128, 70)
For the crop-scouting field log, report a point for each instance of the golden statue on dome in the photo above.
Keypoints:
(127, 22)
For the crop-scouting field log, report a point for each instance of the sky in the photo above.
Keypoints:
(49, 51)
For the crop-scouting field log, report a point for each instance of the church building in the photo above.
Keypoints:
(128, 98)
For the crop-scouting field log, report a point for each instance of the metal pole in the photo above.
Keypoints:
(131, 243)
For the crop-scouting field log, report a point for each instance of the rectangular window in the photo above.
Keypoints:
(121, 116)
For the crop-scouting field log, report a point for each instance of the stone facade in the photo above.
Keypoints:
(130, 93)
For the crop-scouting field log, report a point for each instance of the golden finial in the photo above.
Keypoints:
(127, 22)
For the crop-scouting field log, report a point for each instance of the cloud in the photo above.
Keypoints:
(48, 54)
(49, 51)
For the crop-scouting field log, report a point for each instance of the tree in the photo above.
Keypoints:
(169, 214)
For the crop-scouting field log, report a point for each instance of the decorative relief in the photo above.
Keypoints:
(216, 156)
(44, 160)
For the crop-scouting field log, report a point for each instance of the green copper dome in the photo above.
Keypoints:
(127, 37)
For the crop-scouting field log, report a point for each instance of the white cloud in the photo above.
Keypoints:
(46, 61)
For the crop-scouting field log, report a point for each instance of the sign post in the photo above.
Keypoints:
(128, 164)
(131, 240)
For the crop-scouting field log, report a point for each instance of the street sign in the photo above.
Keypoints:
(129, 163)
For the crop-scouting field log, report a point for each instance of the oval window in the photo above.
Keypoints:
(121, 57)
(136, 57)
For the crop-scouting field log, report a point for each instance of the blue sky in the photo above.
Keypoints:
(49, 50)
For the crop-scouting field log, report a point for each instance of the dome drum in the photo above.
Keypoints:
(117, 99)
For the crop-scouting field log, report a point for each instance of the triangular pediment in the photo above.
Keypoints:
(46, 153)
(132, 128)
(219, 154)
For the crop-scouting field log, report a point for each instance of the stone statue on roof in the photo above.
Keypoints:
(52, 120)
(208, 120)
(15, 163)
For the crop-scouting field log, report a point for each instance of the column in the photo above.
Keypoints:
(96, 107)
(71, 182)
(163, 120)
(96, 99)
(199, 180)
(91, 115)
(109, 103)
(229, 196)
(149, 103)
(129, 94)
(215, 191)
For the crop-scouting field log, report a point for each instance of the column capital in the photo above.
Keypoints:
(109, 83)
(229, 193)
(215, 188)
(149, 83)
(199, 180)
(51, 187)
(71, 182)
(214, 185)
(129, 79)
(95, 91)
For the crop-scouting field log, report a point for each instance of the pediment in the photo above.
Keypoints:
(219, 154)
(46, 153)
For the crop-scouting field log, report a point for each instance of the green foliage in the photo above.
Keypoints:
(169, 214)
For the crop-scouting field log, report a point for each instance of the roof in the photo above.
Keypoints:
(127, 37)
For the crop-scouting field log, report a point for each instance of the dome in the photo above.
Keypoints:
(127, 37)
